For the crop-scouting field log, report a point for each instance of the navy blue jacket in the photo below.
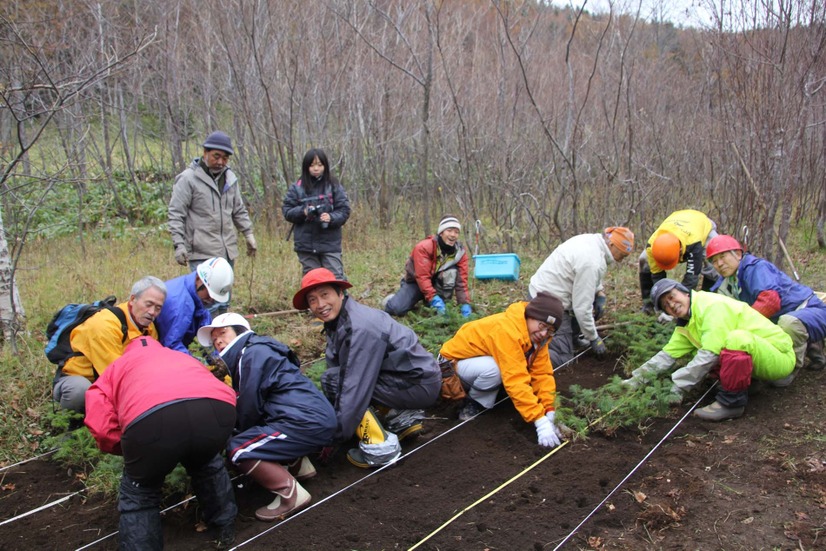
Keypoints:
(271, 388)
(756, 275)
(182, 314)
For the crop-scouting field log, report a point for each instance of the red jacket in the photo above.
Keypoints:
(146, 376)
(423, 264)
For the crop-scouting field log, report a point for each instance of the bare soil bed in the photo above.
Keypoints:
(755, 483)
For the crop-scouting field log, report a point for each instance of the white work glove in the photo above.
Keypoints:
(676, 396)
(252, 248)
(547, 434)
(181, 256)
(633, 383)
(664, 318)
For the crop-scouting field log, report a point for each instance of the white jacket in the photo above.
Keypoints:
(574, 273)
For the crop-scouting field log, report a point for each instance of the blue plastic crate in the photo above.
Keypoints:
(496, 266)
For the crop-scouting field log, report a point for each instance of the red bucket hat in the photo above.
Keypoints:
(316, 278)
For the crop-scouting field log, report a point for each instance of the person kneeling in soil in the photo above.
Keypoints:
(510, 349)
(159, 407)
(792, 306)
(282, 416)
(574, 272)
(436, 269)
(733, 341)
(377, 371)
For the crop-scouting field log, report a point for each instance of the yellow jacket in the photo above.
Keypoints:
(99, 339)
(689, 226)
(505, 337)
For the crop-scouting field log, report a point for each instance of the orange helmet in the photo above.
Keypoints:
(666, 250)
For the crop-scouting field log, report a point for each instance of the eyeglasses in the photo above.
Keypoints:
(546, 327)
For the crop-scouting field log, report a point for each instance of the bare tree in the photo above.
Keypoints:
(33, 91)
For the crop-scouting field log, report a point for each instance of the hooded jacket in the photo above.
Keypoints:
(370, 348)
(183, 313)
(203, 217)
(505, 337)
(713, 319)
(426, 261)
(309, 236)
(145, 377)
(271, 388)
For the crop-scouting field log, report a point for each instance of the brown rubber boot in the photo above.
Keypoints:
(302, 469)
(290, 496)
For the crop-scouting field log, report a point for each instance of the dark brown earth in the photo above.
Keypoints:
(755, 483)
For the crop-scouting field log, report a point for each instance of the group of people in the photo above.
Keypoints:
(146, 397)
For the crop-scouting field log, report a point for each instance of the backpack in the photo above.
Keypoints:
(58, 348)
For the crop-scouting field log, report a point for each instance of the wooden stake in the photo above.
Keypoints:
(273, 314)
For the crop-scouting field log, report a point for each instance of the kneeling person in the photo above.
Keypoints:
(282, 416)
(730, 338)
(511, 350)
(377, 371)
(759, 283)
(435, 271)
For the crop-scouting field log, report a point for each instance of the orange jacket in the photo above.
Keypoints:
(505, 337)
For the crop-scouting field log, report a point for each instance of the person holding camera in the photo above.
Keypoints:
(318, 207)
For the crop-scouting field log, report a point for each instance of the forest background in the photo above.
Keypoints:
(539, 121)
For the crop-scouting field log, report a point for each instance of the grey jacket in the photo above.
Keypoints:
(374, 354)
(203, 217)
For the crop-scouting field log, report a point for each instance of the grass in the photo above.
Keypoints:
(55, 271)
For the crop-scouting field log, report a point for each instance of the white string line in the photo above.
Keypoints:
(355, 483)
(43, 507)
(377, 471)
(634, 470)
(187, 500)
(27, 460)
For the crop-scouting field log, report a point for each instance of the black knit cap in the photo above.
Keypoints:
(547, 308)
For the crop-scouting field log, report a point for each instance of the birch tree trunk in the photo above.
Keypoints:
(12, 314)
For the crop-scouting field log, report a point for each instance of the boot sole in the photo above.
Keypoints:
(355, 457)
(410, 432)
(706, 417)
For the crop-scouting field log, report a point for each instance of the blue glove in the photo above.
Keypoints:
(438, 304)
(599, 306)
(466, 311)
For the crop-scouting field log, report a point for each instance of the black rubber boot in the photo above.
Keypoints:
(215, 494)
(814, 351)
(140, 517)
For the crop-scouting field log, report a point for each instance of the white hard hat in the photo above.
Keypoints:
(224, 320)
(217, 276)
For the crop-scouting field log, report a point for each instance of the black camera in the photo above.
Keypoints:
(315, 207)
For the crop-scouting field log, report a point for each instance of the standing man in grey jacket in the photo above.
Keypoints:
(206, 209)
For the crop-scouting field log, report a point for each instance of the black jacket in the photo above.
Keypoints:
(310, 236)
